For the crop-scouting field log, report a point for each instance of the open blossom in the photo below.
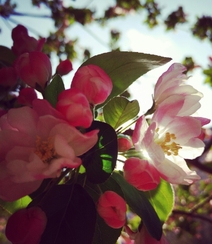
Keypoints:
(74, 105)
(171, 87)
(34, 69)
(37, 143)
(23, 43)
(142, 175)
(26, 226)
(112, 208)
(167, 141)
(93, 82)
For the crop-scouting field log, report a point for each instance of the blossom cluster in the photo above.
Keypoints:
(40, 140)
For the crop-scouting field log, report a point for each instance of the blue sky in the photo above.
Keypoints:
(135, 37)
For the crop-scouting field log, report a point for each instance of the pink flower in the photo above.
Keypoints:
(26, 226)
(141, 174)
(8, 77)
(143, 237)
(64, 67)
(124, 143)
(74, 105)
(112, 208)
(171, 87)
(23, 43)
(93, 82)
(37, 143)
(34, 69)
(167, 141)
(26, 96)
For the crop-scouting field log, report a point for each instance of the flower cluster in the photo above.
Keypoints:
(62, 149)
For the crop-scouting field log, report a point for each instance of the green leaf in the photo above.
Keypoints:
(162, 199)
(6, 55)
(104, 234)
(139, 203)
(11, 207)
(71, 215)
(119, 110)
(125, 67)
(53, 90)
(100, 160)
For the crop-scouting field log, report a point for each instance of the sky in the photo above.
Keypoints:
(135, 36)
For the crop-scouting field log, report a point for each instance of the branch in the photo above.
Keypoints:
(28, 27)
(199, 165)
(30, 15)
(192, 215)
(201, 204)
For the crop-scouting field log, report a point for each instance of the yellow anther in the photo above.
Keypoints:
(45, 150)
(168, 145)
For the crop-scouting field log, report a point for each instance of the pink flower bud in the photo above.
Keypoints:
(64, 67)
(23, 43)
(26, 226)
(34, 69)
(141, 174)
(8, 77)
(26, 96)
(93, 82)
(124, 143)
(75, 107)
(112, 208)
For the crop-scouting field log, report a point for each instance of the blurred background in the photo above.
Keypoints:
(181, 29)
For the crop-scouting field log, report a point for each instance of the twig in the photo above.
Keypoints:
(30, 15)
(200, 204)
(192, 215)
(197, 164)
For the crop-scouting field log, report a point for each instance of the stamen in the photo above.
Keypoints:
(45, 150)
(169, 146)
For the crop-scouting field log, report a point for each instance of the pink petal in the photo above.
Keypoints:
(17, 190)
(141, 174)
(176, 171)
(139, 132)
(80, 143)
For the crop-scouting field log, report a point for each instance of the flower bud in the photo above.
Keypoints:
(64, 67)
(141, 174)
(112, 208)
(34, 69)
(26, 226)
(23, 43)
(92, 81)
(26, 96)
(74, 105)
(124, 143)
